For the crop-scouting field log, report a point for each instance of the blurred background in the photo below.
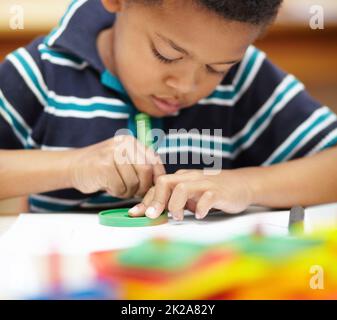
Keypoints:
(310, 54)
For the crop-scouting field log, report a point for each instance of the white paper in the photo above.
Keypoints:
(82, 233)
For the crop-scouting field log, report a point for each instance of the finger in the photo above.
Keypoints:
(158, 166)
(162, 192)
(163, 189)
(158, 170)
(136, 156)
(182, 171)
(139, 209)
(147, 156)
(205, 203)
(130, 179)
(181, 193)
(145, 177)
(191, 205)
(114, 183)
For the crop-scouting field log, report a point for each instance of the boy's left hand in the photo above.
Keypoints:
(198, 191)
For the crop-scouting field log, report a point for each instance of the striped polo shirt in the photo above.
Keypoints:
(56, 94)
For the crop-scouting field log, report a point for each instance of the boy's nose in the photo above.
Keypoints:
(183, 84)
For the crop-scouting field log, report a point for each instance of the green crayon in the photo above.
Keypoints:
(143, 124)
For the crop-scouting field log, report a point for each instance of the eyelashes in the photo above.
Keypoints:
(219, 73)
(169, 61)
(161, 58)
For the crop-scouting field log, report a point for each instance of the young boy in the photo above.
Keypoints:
(189, 65)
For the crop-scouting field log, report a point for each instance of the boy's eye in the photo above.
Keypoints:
(162, 58)
(166, 60)
(220, 73)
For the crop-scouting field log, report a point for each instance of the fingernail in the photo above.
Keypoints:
(178, 216)
(151, 212)
(198, 216)
(134, 210)
(175, 218)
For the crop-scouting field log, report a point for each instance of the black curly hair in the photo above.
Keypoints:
(256, 12)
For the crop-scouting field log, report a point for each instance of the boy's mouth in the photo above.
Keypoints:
(165, 105)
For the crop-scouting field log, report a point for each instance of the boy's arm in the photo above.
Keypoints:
(306, 181)
(32, 171)
(102, 166)
(23, 171)
(88, 169)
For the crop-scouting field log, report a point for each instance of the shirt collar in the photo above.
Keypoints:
(77, 35)
(110, 81)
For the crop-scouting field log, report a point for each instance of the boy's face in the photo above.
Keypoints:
(174, 51)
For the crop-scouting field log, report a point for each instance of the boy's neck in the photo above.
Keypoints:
(104, 45)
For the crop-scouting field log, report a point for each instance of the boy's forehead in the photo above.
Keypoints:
(198, 30)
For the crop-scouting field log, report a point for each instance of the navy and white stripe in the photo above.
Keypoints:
(56, 94)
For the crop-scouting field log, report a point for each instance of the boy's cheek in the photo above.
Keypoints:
(138, 79)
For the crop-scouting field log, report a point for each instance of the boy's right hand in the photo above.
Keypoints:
(121, 166)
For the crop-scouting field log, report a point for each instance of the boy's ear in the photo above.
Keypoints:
(112, 5)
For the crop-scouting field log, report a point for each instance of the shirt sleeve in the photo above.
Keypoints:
(20, 103)
(281, 120)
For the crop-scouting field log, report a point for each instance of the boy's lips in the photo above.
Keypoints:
(167, 106)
